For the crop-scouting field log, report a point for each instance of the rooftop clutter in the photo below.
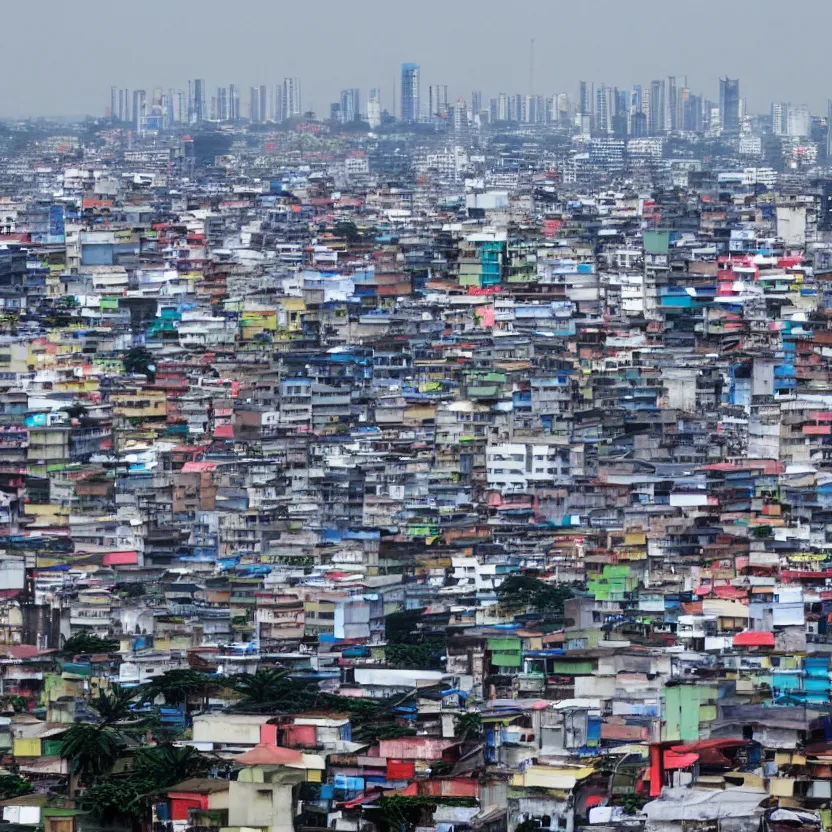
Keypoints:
(431, 502)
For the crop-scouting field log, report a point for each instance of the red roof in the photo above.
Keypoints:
(754, 639)
(270, 755)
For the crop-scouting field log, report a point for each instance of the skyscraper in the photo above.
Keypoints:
(222, 103)
(374, 108)
(198, 111)
(411, 104)
(476, 102)
(291, 98)
(780, 118)
(657, 123)
(139, 108)
(233, 103)
(254, 105)
(113, 103)
(438, 101)
(729, 105)
(350, 105)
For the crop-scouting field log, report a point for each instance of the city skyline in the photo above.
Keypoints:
(460, 54)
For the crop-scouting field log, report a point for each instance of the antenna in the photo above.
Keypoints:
(531, 67)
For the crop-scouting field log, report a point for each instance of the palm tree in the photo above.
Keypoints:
(165, 765)
(115, 706)
(265, 687)
(176, 686)
(91, 749)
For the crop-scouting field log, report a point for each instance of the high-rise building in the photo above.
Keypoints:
(254, 105)
(139, 109)
(263, 94)
(438, 101)
(586, 100)
(829, 129)
(780, 118)
(460, 117)
(693, 114)
(729, 105)
(198, 110)
(604, 109)
(657, 123)
(502, 107)
(291, 103)
(374, 108)
(349, 108)
(476, 102)
(799, 122)
(410, 92)
(113, 114)
(277, 103)
(233, 103)
(222, 103)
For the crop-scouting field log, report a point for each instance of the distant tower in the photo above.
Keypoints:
(291, 98)
(374, 108)
(729, 105)
(410, 92)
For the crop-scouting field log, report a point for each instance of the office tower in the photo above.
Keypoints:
(476, 102)
(277, 103)
(515, 107)
(780, 118)
(139, 106)
(198, 112)
(254, 105)
(657, 122)
(693, 113)
(349, 106)
(438, 101)
(502, 107)
(120, 111)
(799, 122)
(291, 104)
(460, 116)
(263, 106)
(604, 109)
(829, 128)
(636, 99)
(670, 101)
(113, 103)
(729, 105)
(374, 108)
(233, 103)
(181, 107)
(410, 92)
(638, 125)
(222, 103)
(585, 99)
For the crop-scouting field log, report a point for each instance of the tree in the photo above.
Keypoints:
(468, 725)
(176, 686)
(88, 642)
(13, 785)
(140, 360)
(114, 706)
(530, 593)
(91, 749)
(165, 765)
(266, 686)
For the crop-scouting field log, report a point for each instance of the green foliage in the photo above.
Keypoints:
(427, 656)
(399, 626)
(140, 360)
(113, 706)
(88, 642)
(91, 749)
(176, 686)
(114, 797)
(525, 592)
(272, 689)
(469, 725)
(165, 765)
(13, 785)
(398, 810)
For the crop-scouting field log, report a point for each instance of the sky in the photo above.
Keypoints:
(68, 53)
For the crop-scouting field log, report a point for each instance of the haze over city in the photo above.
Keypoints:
(70, 53)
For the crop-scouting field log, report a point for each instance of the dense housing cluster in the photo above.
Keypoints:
(459, 476)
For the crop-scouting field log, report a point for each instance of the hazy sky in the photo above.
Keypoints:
(61, 56)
